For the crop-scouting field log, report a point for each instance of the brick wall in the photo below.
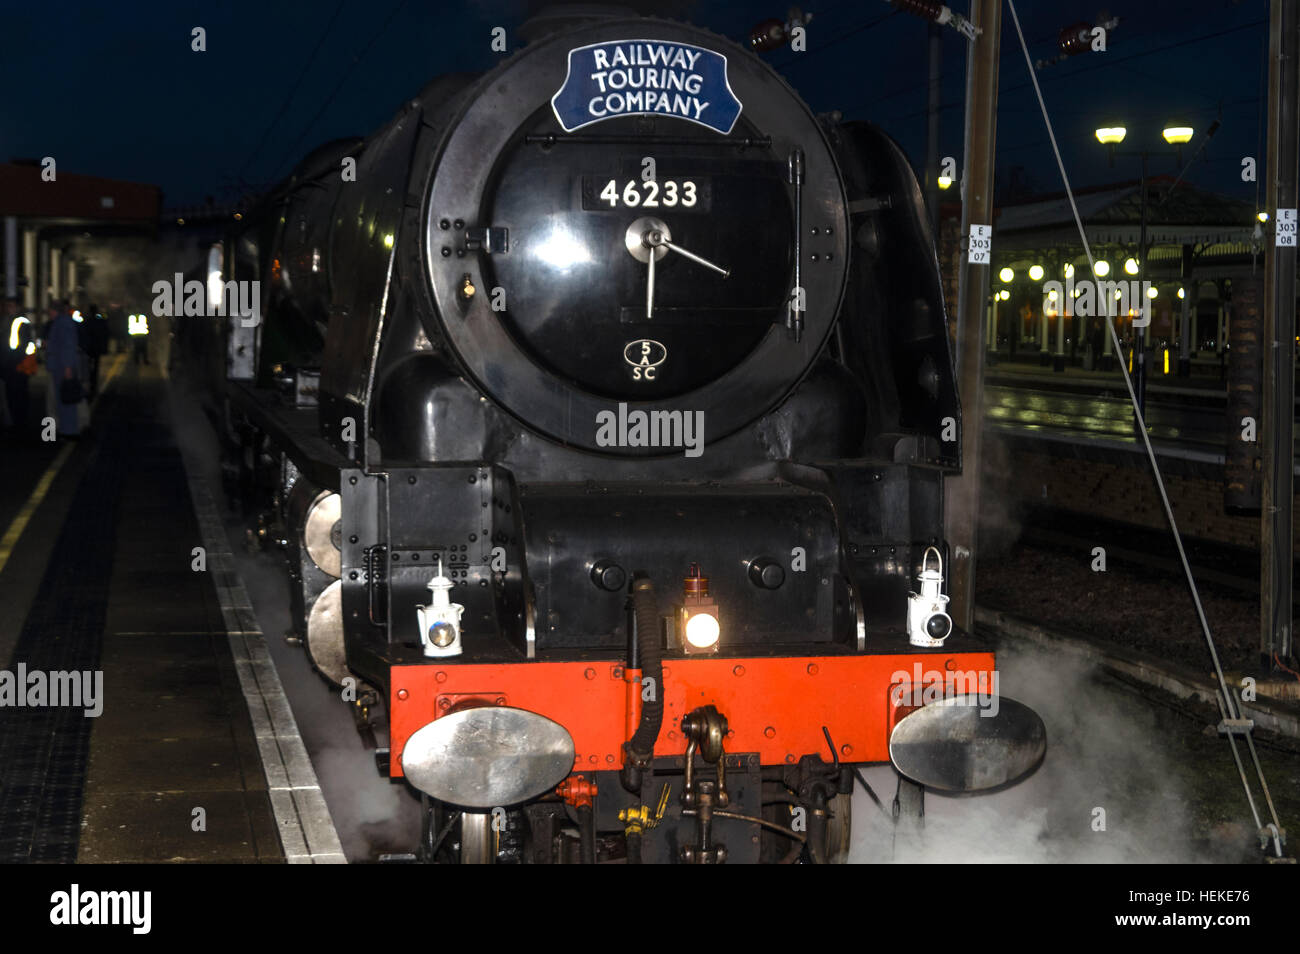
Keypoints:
(1120, 492)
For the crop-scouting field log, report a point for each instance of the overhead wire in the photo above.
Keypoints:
(1084, 69)
(802, 57)
(288, 97)
(343, 76)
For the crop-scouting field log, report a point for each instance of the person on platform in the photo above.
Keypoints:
(94, 329)
(63, 362)
(17, 364)
(138, 329)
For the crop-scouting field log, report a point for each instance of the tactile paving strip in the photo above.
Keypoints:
(43, 750)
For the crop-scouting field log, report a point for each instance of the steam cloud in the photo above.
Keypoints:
(1105, 749)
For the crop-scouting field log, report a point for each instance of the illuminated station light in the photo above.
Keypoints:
(1131, 266)
(1101, 269)
(945, 182)
(1177, 135)
(1151, 292)
(1036, 272)
(1069, 271)
(1006, 274)
(1110, 135)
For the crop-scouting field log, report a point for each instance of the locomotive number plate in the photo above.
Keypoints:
(685, 195)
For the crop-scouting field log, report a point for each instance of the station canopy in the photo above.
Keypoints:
(1215, 225)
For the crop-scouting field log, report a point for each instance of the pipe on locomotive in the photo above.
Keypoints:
(644, 654)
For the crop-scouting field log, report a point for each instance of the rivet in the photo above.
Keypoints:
(411, 479)
(789, 757)
(812, 669)
(460, 223)
(593, 760)
(950, 664)
(501, 700)
(739, 670)
(440, 677)
(444, 704)
(846, 750)
(770, 732)
(446, 252)
(444, 224)
(402, 694)
(590, 673)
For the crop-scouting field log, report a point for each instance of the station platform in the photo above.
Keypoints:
(162, 733)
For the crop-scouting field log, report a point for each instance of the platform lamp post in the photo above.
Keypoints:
(1110, 137)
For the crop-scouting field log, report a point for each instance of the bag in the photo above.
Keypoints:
(70, 390)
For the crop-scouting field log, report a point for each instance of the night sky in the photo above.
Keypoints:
(114, 90)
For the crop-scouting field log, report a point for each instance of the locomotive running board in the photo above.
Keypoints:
(962, 744)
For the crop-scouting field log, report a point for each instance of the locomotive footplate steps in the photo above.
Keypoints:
(152, 757)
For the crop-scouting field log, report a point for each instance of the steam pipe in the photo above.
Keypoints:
(587, 835)
(645, 648)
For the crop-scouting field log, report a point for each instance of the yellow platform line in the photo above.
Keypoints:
(19, 523)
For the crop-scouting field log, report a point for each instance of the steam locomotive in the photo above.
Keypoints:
(603, 402)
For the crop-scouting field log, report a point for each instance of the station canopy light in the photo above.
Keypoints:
(1131, 266)
(1036, 272)
(1006, 274)
(1004, 294)
(945, 182)
(1177, 135)
(1151, 292)
(1110, 135)
(1262, 216)
(1181, 293)
(1101, 269)
(1069, 271)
